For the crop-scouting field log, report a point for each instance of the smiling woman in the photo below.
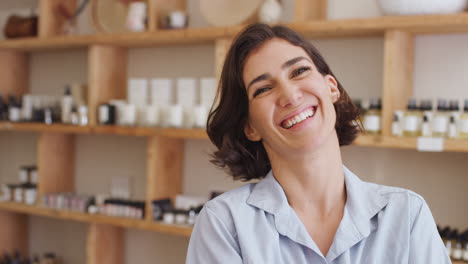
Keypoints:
(281, 117)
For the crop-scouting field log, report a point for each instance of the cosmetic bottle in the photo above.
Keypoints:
(397, 128)
(67, 104)
(107, 114)
(83, 115)
(372, 124)
(426, 129)
(14, 109)
(451, 241)
(27, 107)
(463, 123)
(454, 109)
(452, 128)
(48, 116)
(412, 119)
(426, 108)
(457, 251)
(441, 119)
(73, 117)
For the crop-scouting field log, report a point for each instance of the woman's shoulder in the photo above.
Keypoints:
(233, 201)
(400, 201)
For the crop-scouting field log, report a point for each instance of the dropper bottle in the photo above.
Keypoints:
(411, 119)
(372, 124)
(441, 119)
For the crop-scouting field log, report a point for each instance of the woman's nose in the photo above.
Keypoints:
(290, 95)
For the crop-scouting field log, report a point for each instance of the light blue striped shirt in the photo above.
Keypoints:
(255, 224)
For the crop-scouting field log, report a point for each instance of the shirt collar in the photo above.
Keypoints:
(364, 201)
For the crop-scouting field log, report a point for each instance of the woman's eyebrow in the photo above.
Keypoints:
(293, 61)
(261, 77)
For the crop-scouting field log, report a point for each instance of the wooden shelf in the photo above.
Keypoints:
(450, 145)
(99, 219)
(109, 130)
(377, 26)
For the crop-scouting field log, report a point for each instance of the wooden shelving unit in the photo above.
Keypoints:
(378, 26)
(107, 76)
(96, 219)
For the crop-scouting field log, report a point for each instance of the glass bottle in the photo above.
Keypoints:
(412, 119)
(397, 130)
(372, 119)
(441, 119)
(463, 122)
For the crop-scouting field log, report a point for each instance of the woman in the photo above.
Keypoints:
(282, 117)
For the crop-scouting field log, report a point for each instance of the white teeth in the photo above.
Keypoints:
(299, 118)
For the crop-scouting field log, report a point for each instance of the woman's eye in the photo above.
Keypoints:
(260, 91)
(299, 71)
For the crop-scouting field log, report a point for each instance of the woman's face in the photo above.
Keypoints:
(290, 103)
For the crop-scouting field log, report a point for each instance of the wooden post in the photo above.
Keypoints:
(398, 75)
(107, 73)
(14, 72)
(157, 8)
(51, 20)
(56, 158)
(13, 232)
(105, 244)
(165, 169)
(307, 10)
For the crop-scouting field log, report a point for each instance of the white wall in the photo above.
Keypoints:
(440, 64)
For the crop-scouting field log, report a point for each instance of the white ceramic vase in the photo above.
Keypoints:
(421, 7)
(270, 12)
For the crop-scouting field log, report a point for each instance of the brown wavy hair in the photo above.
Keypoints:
(238, 156)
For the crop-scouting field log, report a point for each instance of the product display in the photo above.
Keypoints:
(68, 109)
(161, 106)
(455, 242)
(16, 258)
(23, 192)
(184, 213)
(446, 122)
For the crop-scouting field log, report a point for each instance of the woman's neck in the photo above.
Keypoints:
(314, 182)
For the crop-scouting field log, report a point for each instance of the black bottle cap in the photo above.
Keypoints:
(465, 108)
(452, 120)
(412, 104)
(395, 118)
(442, 105)
(425, 119)
(67, 90)
(453, 105)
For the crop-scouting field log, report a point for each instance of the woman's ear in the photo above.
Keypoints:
(333, 85)
(251, 133)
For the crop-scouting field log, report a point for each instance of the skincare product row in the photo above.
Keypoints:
(95, 205)
(23, 192)
(70, 108)
(455, 242)
(183, 211)
(67, 201)
(446, 120)
(184, 102)
(16, 258)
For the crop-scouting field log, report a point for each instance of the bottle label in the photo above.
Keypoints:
(410, 123)
(464, 125)
(440, 124)
(372, 123)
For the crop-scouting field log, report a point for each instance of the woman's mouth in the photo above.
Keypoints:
(298, 118)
